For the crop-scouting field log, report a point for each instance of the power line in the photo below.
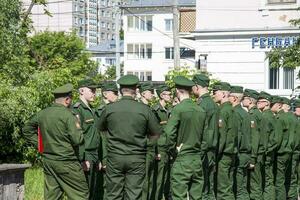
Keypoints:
(76, 12)
(136, 16)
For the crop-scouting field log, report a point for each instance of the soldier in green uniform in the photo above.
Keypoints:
(227, 149)
(268, 136)
(184, 132)
(283, 154)
(109, 90)
(128, 123)
(296, 154)
(244, 145)
(146, 90)
(59, 138)
(86, 115)
(290, 184)
(162, 166)
(210, 137)
(257, 143)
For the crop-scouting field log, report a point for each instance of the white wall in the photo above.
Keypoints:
(158, 64)
(243, 14)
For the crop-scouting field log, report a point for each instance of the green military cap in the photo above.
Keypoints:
(276, 99)
(64, 90)
(183, 82)
(128, 80)
(236, 89)
(201, 79)
(89, 83)
(265, 95)
(146, 86)
(109, 86)
(297, 103)
(162, 88)
(223, 86)
(285, 100)
(251, 93)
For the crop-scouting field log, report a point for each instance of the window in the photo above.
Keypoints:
(75, 20)
(281, 78)
(169, 53)
(184, 53)
(103, 24)
(102, 36)
(274, 78)
(102, 13)
(108, 36)
(139, 51)
(143, 75)
(139, 23)
(169, 24)
(288, 78)
(281, 1)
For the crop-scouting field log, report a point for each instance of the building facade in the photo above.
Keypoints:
(148, 38)
(233, 38)
(93, 20)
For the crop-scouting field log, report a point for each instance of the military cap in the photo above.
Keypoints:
(297, 103)
(64, 90)
(201, 79)
(251, 93)
(183, 82)
(162, 88)
(285, 100)
(276, 99)
(89, 83)
(236, 89)
(144, 86)
(128, 80)
(109, 86)
(223, 86)
(265, 95)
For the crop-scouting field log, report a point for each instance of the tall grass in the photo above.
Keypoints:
(34, 184)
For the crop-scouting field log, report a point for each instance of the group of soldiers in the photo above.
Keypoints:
(229, 143)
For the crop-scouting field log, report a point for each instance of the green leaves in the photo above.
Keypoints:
(30, 68)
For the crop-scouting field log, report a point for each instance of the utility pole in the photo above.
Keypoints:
(176, 34)
(117, 22)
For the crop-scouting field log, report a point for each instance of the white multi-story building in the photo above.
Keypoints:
(93, 20)
(148, 38)
(233, 38)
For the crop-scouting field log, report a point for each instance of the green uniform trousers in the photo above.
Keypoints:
(241, 179)
(93, 174)
(187, 177)
(225, 174)
(160, 175)
(255, 182)
(149, 186)
(64, 177)
(208, 187)
(293, 184)
(125, 177)
(268, 177)
(281, 175)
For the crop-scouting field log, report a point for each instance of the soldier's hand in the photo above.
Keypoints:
(86, 165)
(100, 166)
(251, 166)
(104, 168)
(158, 157)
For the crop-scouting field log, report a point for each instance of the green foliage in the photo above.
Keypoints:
(30, 68)
(286, 57)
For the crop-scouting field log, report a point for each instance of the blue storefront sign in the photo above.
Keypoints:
(273, 42)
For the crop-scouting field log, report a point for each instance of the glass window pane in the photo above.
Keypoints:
(130, 23)
(288, 78)
(142, 51)
(149, 51)
(137, 24)
(149, 23)
(130, 50)
(136, 51)
(167, 53)
(274, 78)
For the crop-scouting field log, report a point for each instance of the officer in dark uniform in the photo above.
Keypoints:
(184, 132)
(60, 135)
(210, 136)
(128, 123)
(86, 115)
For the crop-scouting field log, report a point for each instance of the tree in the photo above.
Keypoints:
(31, 67)
(288, 57)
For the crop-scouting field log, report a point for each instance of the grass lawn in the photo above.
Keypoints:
(34, 184)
